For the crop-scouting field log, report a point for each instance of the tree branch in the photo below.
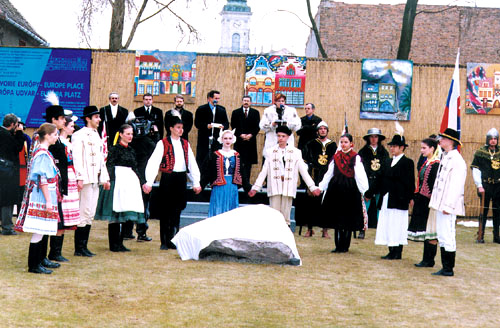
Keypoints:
(136, 23)
(434, 12)
(291, 12)
(315, 30)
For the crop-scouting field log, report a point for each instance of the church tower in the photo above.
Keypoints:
(235, 34)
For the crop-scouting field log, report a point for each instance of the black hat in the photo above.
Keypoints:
(398, 140)
(53, 111)
(284, 129)
(376, 132)
(89, 111)
(171, 120)
(452, 135)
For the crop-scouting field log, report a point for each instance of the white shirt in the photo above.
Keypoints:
(359, 175)
(114, 110)
(396, 159)
(157, 156)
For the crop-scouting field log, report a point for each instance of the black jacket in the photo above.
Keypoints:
(58, 151)
(308, 131)
(246, 125)
(10, 146)
(156, 116)
(202, 119)
(112, 124)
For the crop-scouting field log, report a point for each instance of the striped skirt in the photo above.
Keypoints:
(71, 202)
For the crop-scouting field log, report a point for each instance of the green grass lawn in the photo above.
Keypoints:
(152, 288)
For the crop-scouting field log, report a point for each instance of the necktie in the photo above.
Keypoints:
(246, 113)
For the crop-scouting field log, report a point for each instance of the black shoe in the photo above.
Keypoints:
(171, 245)
(391, 255)
(129, 236)
(424, 264)
(49, 264)
(88, 253)
(9, 233)
(336, 250)
(164, 247)
(124, 249)
(58, 258)
(82, 253)
(143, 237)
(39, 269)
(361, 234)
(442, 272)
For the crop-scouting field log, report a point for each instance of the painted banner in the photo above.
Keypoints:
(27, 74)
(482, 94)
(165, 72)
(386, 89)
(268, 75)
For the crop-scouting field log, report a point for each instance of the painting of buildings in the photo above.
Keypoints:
(267, 75)
(482, 94)
(165, 72)
(386, 89)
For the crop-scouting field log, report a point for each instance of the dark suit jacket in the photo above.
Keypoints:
(58, 151)
(202, 119)
(10, 146)
(112, 124)
(398, 181)
(156, 116)
(308, 130)
(246, 125)
(187, 121)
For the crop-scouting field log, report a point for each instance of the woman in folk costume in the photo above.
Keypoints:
(39, 211)
(123, 201)
(419, 228)
(222, 171)
(396, 188)
(344, 184)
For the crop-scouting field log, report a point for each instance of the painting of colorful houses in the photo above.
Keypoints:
(165, 72)
(482, 94)
(386, 89)
(268, 75)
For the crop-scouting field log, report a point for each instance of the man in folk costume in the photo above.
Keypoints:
(275, 116)
(374, 156)
(281, 169)
(317, 154)
(176, 161)
(90, 168)
(486, 174)
(396, 188)
(447, 198)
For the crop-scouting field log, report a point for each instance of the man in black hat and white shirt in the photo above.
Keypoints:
(447, 199)
(90, 167)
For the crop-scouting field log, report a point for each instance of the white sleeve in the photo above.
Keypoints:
(305, 175)
(265, 122)
(194, 171)
(262, 176)
(360, 176)
(323, 185)
(295, 124)
(78, 156)
(154, 163)
(476, 176)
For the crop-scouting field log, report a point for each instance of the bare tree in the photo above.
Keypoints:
(314, 27)
(407, 29)
(119, 8)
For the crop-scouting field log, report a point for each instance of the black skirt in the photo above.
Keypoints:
(418, 222)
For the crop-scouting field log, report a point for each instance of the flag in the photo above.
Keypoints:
(451, 116)
(346, 129)
(104, 141)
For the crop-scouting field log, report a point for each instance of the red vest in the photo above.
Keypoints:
(168, 161)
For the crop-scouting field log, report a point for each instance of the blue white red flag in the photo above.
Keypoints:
(451, 116)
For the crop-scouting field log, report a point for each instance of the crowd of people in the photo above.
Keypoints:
(106, 171)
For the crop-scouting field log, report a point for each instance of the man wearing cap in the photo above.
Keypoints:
(373, 156)
(447, 198)
(176, 161)
(309, 122)
(317, 154)
(90, 168)
(186, 116)
(486, 174)
(275, 116)
(112, 117)
(11, 143)
(209, 119)
(396, 187)
(281, 168)
(245, 120)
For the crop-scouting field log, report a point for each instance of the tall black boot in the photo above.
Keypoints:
(428, 257)
(170, 234)
(113, 237)
(56, 244)
(163, 234)
(398, 252)
(79, 242)
(347, 241)
(448, 260)
(85, 240)
(337, 239)
(128, 230)
(34, 263)
(496, 223)
(43, 254)
(121, 247)
(391, 254)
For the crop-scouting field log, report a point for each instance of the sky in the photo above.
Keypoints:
(275, 24)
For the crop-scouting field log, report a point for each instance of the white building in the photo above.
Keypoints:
(235, 36)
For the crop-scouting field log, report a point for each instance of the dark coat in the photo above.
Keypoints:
(398, 181)
(308, 130)
(373, 160)
(156, 116)
(58, 151)
(187, 121)
(112, 124)
(10, 146)
(202, 119)
(246, 125)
